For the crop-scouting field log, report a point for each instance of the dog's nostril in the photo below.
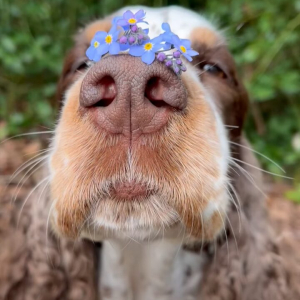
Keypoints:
(154, 92)
(108, 93)
(103, 103)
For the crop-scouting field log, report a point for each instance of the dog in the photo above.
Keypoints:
(146, 172)
(155, 169)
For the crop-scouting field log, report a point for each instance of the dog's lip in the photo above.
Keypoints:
(129, 190)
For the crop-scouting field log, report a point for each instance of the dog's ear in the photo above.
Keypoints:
(76, 61)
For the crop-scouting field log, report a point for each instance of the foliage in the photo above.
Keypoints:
(263, 36)
(294, 194)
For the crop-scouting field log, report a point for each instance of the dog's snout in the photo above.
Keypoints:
(125, 96)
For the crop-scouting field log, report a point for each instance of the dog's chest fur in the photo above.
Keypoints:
(160, 270)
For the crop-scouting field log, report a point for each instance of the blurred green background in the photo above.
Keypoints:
(264, 37)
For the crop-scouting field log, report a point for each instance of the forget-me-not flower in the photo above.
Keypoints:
(147, 50)
(184, 46)
(129, 18)
(102, 43)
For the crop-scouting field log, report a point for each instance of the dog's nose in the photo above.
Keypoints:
(123, 95)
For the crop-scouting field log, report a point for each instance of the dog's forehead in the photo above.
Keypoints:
(184, 23)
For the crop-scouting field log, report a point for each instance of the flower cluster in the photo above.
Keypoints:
(126, 35)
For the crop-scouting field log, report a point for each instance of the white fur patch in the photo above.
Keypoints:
(159, 270)
(181, 20)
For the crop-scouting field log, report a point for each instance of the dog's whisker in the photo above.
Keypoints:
(249, 177)
(260, 154)
(262, 170)
(200, 62)
(26, 134)
(237, 205)
(233, 233)
(237, 197)
(224, 228)
(51, 208)
(37, 165)
(32, 191)
(47, 229)
(26, 164)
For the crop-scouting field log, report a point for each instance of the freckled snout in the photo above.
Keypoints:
(125, 96)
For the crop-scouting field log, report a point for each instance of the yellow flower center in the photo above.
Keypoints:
(183, 49)
(132, 21)
(148, 46)
(96, 44)
(108, 39)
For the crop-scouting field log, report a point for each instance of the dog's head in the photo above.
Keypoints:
(139, 151)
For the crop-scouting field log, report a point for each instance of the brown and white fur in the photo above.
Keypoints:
(203, 198)
(188, 165)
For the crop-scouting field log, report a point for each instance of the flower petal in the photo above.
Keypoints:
(175, 40)
(115, 35)
(167, 46)
(167, 37)
(166, 27)
(192, 52)
(136, 50)
(148, 57)
(157, 47)
(114, 48)
(157, 39)
(102, 49)
(140, 14)
(113, 29)
(187, 56)
(97, 57)
(100, 36)
(146, 31)
(128, 15)
(143, 22)
(122, 22)
(90, 52)
(94, 40)
(186, 43)
(124, 47)
(115, 20)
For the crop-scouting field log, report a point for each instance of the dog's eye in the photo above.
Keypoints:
(213, 69)
(79, 66)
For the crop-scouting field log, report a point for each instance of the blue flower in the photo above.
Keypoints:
(116, 20)
(184, 46)
(92, 52)
(147, 50)
(102, 43)
(168, 34)
(129, 18)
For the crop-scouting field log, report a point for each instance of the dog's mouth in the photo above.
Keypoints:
(129, 190)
